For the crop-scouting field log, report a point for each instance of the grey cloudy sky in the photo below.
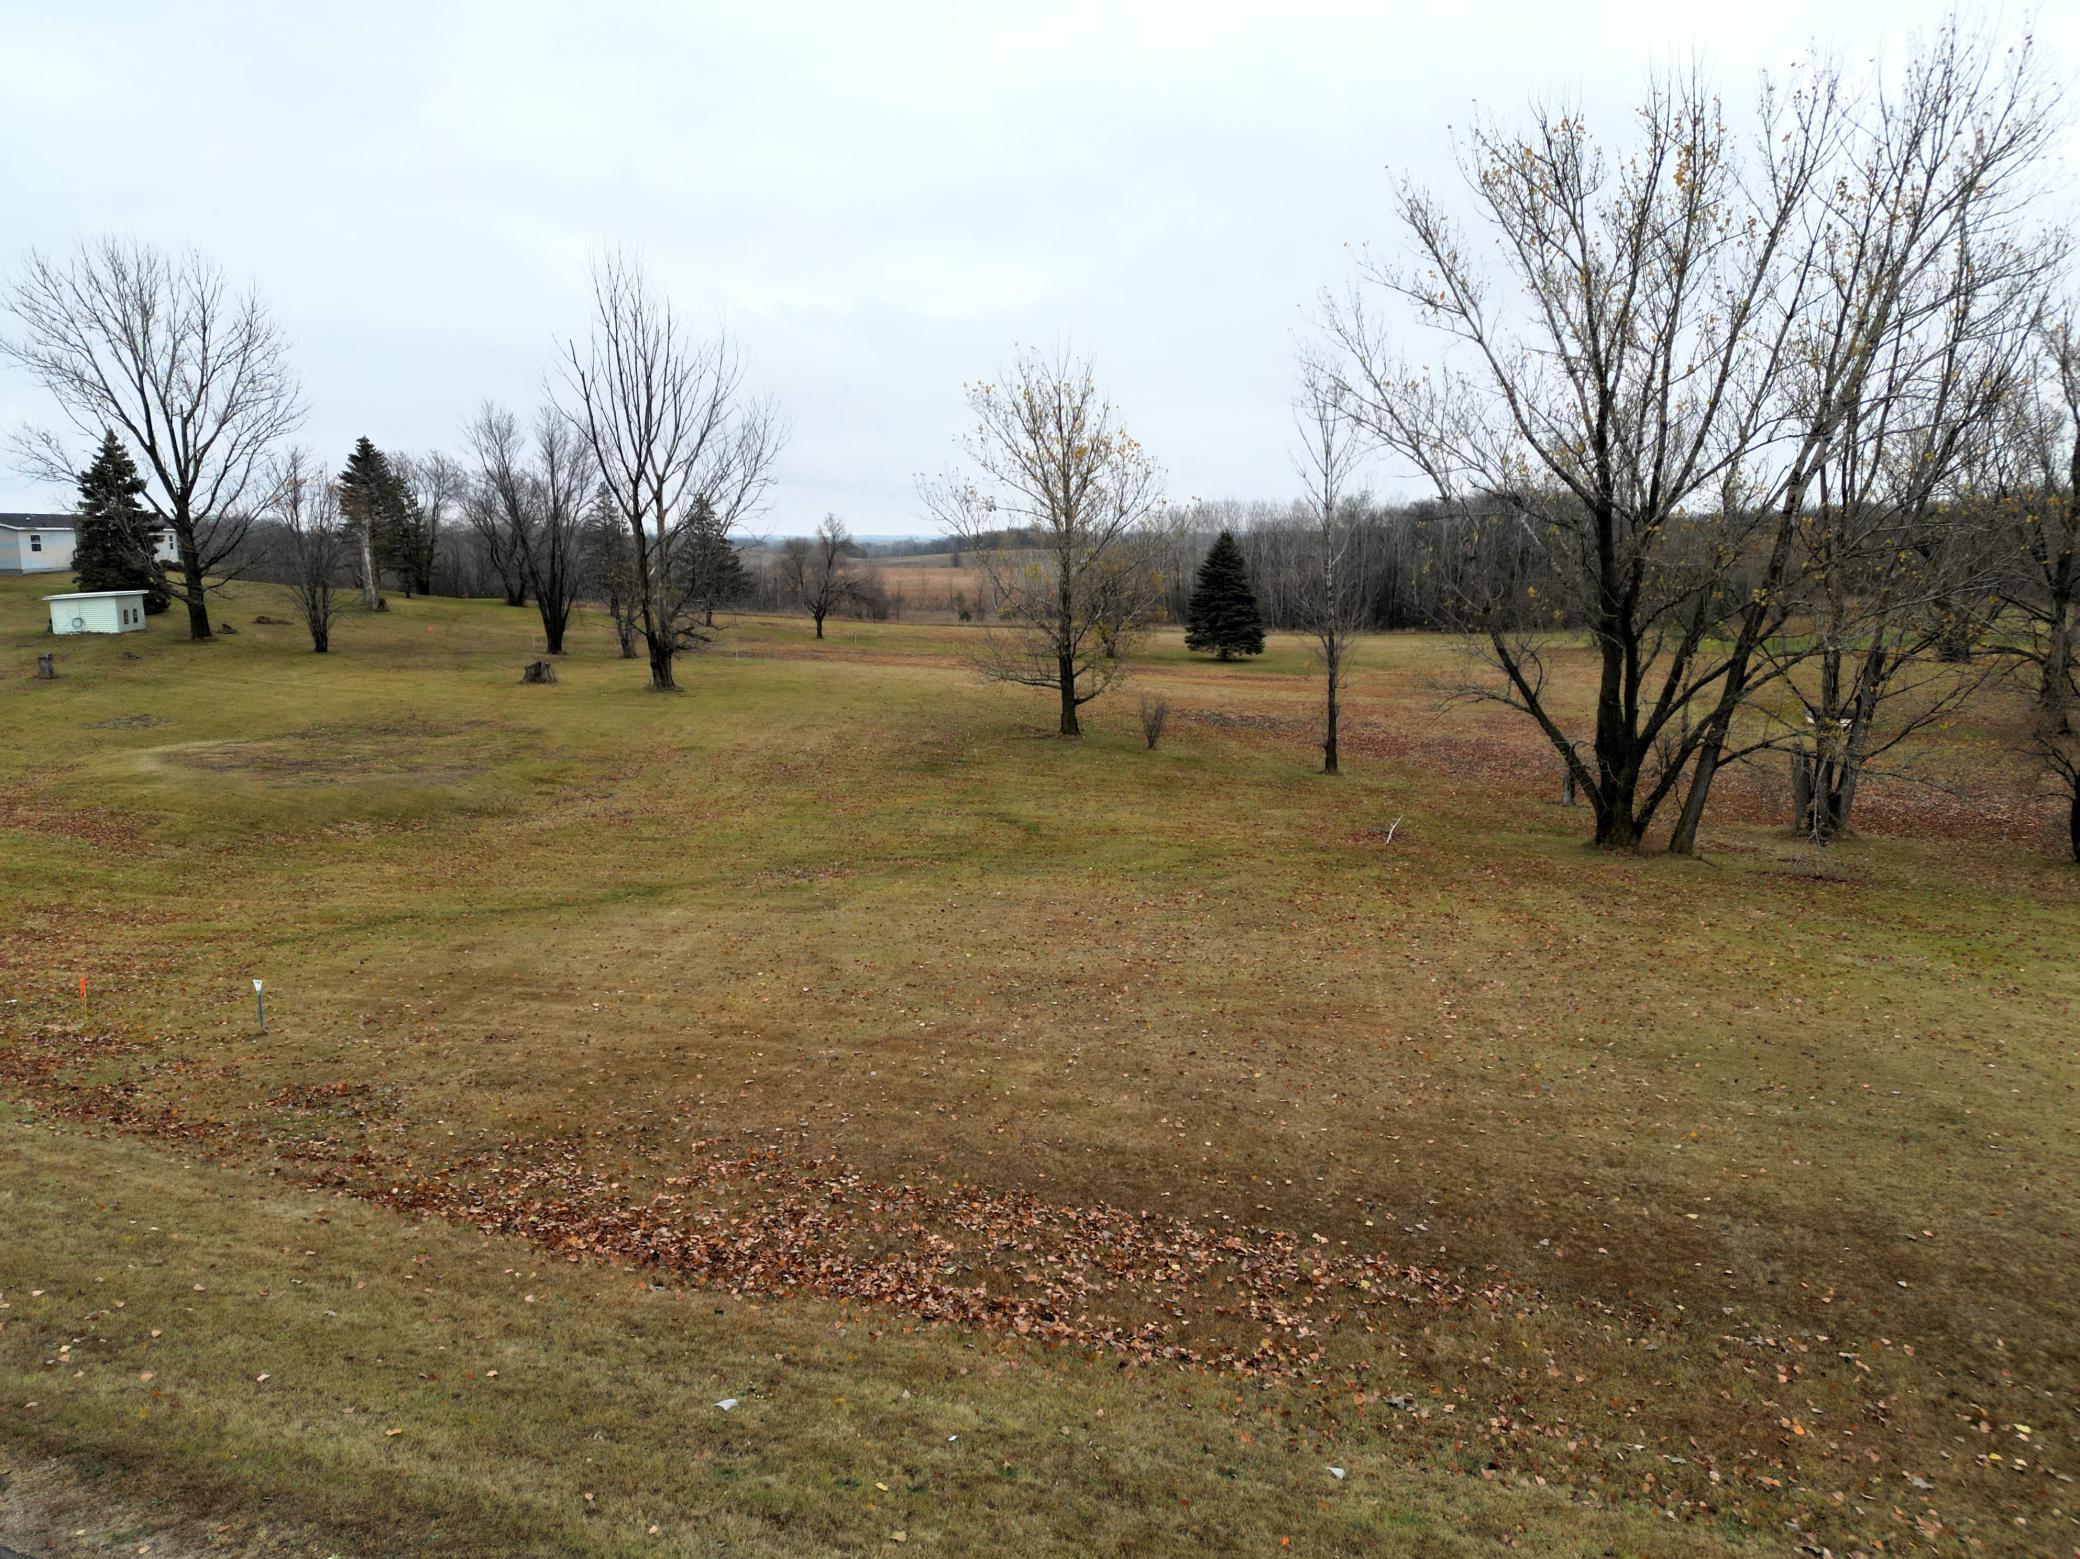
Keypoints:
(882, 200)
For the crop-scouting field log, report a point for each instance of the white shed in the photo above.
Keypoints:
(97, 611)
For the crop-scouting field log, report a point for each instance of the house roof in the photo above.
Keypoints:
(50, 522)
(90, 595)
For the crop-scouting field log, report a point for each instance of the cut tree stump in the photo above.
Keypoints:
(539, 671)
(47, 667)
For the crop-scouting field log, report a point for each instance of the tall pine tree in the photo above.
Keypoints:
(1222, 614)
(116, 545)
(373, 502)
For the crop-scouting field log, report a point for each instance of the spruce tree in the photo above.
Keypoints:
(373, 502)
(1222, 614)
(406, 544)
(720, 574)
(116, 546)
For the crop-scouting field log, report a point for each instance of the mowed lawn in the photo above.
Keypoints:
(1048, 1147)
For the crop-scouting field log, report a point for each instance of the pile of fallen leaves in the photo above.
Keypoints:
(1094, 1276)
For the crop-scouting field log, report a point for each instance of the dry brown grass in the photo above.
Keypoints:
(1739, 1191)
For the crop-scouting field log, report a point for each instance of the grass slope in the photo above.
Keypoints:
(1548, 1195)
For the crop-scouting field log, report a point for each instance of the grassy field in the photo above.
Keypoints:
(1049, 1148)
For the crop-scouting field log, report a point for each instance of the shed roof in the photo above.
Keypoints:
(91, 595)
(39, 522)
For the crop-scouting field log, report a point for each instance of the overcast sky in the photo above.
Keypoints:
(882, 200)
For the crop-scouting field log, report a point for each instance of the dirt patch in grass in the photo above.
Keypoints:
(419, 750)
(85, 825)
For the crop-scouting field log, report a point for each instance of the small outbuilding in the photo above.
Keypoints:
(97, 611)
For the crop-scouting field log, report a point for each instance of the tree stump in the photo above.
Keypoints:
(539, 671)
(47, 667)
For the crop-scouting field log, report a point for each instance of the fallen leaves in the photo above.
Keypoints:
(1097, 1276)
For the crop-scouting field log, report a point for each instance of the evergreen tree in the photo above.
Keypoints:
(1222, 614)
(376, 508)
(406, 543)
(722, 579)
(117, 540)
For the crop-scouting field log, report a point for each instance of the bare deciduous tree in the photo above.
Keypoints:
(818, 571)
(1331, 602)
(1919, 250)
(436, 486)
(1652, 381)
(2035, 494)
(564, 486)
(1051, 459)
(674, 439)
(499, 506)
(193, 373)
(317, 541)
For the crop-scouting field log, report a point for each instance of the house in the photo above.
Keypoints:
(42, 543)
(97, 611)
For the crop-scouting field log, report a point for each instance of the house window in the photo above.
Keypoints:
(35, 543)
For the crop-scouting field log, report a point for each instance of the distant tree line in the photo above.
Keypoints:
(1776, 417)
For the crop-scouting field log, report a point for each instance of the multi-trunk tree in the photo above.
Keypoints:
(531, 509)
(2032, 493)
(1054, 471)
(681, 450)
(1657, 371)
(818, 570)
(317, 542)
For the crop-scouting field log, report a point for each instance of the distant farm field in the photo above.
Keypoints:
(1043, 1147)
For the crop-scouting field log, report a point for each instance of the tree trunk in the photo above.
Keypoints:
(1329, 739)
(2073, 822)
(1617, 769)
(661, 664)
(321, 641)
(1614, 827)
(371, 587)
(1801, 793)
(1066, 668)
(819, 623)
(191, 587)
(2053, 692)
(1954, 637)
(1567, 796)
(1719, 725)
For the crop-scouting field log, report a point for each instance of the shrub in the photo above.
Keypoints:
(1155, 714)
